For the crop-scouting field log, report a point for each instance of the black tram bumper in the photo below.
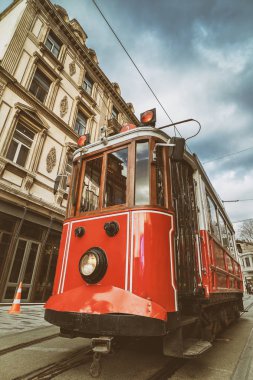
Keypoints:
(92, 325)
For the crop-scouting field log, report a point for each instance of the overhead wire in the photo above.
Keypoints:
(240, 221)
(227, 155)
(137, 68)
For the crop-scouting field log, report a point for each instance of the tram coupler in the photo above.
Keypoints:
(101, 345)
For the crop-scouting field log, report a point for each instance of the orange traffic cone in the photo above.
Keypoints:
(15, 309)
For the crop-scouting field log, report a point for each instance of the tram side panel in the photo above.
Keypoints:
(221, 273)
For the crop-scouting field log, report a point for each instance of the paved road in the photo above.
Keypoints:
(230, 358)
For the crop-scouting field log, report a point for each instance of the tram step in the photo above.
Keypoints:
(187, 320)
(194, 347)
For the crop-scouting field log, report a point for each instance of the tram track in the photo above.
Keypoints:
(54, 369)
(27, 344)
(168, 369)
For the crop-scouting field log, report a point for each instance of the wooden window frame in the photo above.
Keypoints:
(131, 170)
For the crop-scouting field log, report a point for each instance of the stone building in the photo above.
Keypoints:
(51, 91)
(245, 250)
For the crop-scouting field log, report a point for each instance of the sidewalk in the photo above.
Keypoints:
(244, 367)
(31, 317)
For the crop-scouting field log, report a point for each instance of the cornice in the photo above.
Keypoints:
(84, 52)
(31, 199)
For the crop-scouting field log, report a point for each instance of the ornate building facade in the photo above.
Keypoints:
(245, 250)
(52, 90)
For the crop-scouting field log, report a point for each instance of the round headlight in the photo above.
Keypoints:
(88, 264)
(93, 265)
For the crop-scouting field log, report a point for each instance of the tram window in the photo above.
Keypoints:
(223, 231)
(213, 218)
(142, 173)
(91, 185)
(231, 243)
(116, 178)
(159, 178)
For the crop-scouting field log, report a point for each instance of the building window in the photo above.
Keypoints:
(88, 84)
(68, 171)
(247, 262)
(20, 145)
(81, 122)
(53, 44)
(40, 86)
(239, 247)
(115, 113)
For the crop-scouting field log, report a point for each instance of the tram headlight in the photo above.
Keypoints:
(88, 264)
(93, 265)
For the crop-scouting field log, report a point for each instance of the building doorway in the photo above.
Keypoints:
(22, 269)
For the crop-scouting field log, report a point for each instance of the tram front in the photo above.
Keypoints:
(115, 274)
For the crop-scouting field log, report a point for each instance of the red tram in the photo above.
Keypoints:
(147, 249)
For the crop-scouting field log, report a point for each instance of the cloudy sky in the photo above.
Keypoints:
(197, 56)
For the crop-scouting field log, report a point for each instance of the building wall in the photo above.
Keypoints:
(245, 250)
(51, 91)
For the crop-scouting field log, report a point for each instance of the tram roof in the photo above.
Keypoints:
(122, 137)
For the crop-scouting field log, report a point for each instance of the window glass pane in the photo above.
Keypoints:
(40, 86)
(16, 266)
(91, 185)
(23, 139)
(80, 125)
(115, 113)
(30, 263)
(22, 156)
(142, 173)
(5, 240)
(49, 44)
(73, 189)
(159, 178)
(68, 170)
(87, 85)
(29, 134)
(53, 44)
(6, 224)
(213, 223)
(116, 178)
(12, 150)
(231, 243)
(31, 230)
(223, 231)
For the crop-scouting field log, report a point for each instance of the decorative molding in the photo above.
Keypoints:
(28, 181)
(113, 127)
(51, 159)
(45, 51)
(2, 165)
(72, 68)
(86, 109)
(2, 87)
(48, 70)
(59, 196)
(64, 106)
(93, 56)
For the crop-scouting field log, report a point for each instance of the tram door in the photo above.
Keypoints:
(22, 268)
(186, 227)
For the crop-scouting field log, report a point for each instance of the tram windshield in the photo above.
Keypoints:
(116, 178)
(124, 177)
